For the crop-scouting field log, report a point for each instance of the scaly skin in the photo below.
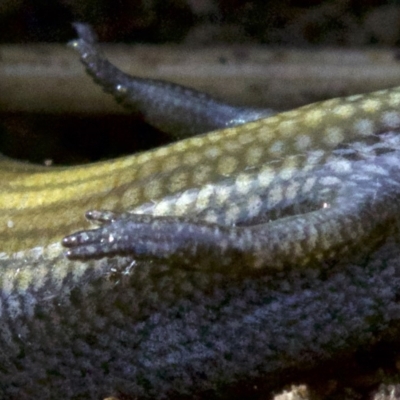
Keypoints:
(174, 109)
(161, 317)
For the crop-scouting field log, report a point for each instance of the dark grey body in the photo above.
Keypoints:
(159, 333)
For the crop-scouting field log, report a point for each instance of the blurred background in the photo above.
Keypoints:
(284, 22)
(65, 137)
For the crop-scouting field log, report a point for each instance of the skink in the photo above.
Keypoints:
(250, 251)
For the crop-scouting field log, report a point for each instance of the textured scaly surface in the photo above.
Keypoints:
(316, 184)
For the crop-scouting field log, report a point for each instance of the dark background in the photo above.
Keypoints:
(289, 23)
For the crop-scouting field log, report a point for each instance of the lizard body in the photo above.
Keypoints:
(320, 183)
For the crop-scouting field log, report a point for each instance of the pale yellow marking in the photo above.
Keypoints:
(161, 152)
(110, 202)
(23, 280)
(197, 141)
(292, 114)
(131, 196)
(204, 196)
(246, 137)
(371, 105)
(354, 97)
(148, 169)
(264, 138)
(303, 142)
(331, 103)
(393, 99)
(181, 145)
(254, 154)
(244, 183)
(287, 127)
(231, 145)
(234, 132)
(222, 193)
(314, 117)
(153, 190)
(344, 110)
(163, 207)
(214, 138)
(266, 176)
(277, 148)
(172, 162)
(227, 165)
(212, 152)
(184, 203)
(333, 136)
(192, 158)
(289, 165)
(202, 174)
(52, 251)
(178, 181)
(31, 199)
(144, 157)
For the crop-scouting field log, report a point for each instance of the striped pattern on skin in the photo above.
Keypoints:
(328, 227)
(282, 145)
(115, 325)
